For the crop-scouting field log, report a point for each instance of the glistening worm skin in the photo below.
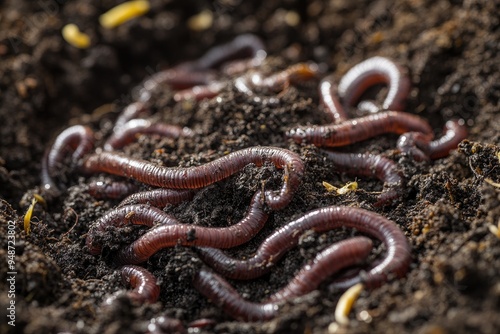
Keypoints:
(374, 166)
(165, 235)
(200, 72)
(371, 72)
(331, 260)
(143, 283)
(77, 140)
(159, 197)
(110, 189)
(334, 258)
(455, 132)
(130, 112)
(359, 129)
(130, 130)
(243, 46)
(137, 214)
(278, 81)
(204, 175)
(357, 80)
(421, 148)
(395, 263)
(329, 97)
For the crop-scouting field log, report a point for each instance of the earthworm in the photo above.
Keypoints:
(143, 283)
(132, 210)
(277, 81)
(371, 165)
(421, 148)
(396, 261)
(329, 97)
(77, 140)
(331, 260)
(137, 214)
(199, 72)
(455, 132)
(110, 189)
(159, 197)
(130, 130)
(371, 72)
(200, 92)
(334, 258)
(243, 46)
(204, 175)
(165, 325)
(177, 78)
(359, 129)
(130, 112)
(169, 235)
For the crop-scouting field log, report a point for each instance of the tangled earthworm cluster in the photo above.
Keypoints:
(202, 79)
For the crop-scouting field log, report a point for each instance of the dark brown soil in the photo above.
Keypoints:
(451, 49)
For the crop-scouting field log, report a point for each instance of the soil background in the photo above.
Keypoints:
(451, 50)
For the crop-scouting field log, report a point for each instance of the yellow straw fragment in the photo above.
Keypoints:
(27, 217)
(201, 21)
(493, 183)
(75, 37)
(40, 200)
(495, 229)
(123, 13)
(345, 303)
(349, 186)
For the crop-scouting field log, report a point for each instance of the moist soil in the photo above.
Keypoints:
(451, 51)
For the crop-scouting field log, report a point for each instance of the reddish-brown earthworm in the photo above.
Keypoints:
(77, 140)
(455, 132)
(200, 72)
(133, 210)
(279, 81)
(421, 148)
(359, 129)
(198, 93)
(395, 263)
(204, 175)
(136, 214)
(159, 197)
(373, 71)
(110, 189)
(169, 235)
(145, 288)
(243, 46)
(371, 165)
(133, 110)
(331, 260)
(130, 130)
(357, 80)
(334, 258)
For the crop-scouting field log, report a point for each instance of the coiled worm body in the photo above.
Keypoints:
(169, 235)
(77, 140)
(371, 165)
(395, 262)
(204, 175)
(331, 260)
(359, 129)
